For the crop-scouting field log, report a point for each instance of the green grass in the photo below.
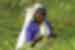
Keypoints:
(63, 19)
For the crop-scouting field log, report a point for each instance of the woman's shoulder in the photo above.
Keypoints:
(32, 25)
(49, 24)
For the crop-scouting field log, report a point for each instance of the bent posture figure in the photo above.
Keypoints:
(28, 17)
(38, 28)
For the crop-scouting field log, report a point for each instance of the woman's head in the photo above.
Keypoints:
(40, 14)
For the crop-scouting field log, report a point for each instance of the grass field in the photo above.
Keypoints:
(61, 14)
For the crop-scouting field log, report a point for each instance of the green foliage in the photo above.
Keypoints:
(60, 12)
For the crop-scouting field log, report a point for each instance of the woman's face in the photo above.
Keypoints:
(39, 17)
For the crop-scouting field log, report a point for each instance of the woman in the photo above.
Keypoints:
(38, 28)
(28, 17)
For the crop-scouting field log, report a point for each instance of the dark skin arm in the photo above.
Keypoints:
(52, 35)
(36, 41)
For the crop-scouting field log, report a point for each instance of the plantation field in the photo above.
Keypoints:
(60, 12)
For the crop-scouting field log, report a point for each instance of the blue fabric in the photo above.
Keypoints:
(33, 30)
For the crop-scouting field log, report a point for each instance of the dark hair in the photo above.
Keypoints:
(42, 11)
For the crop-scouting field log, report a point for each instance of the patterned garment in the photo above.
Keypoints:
(33, 30)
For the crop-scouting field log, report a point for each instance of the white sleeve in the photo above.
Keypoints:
(22, 35)
(44, 29)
